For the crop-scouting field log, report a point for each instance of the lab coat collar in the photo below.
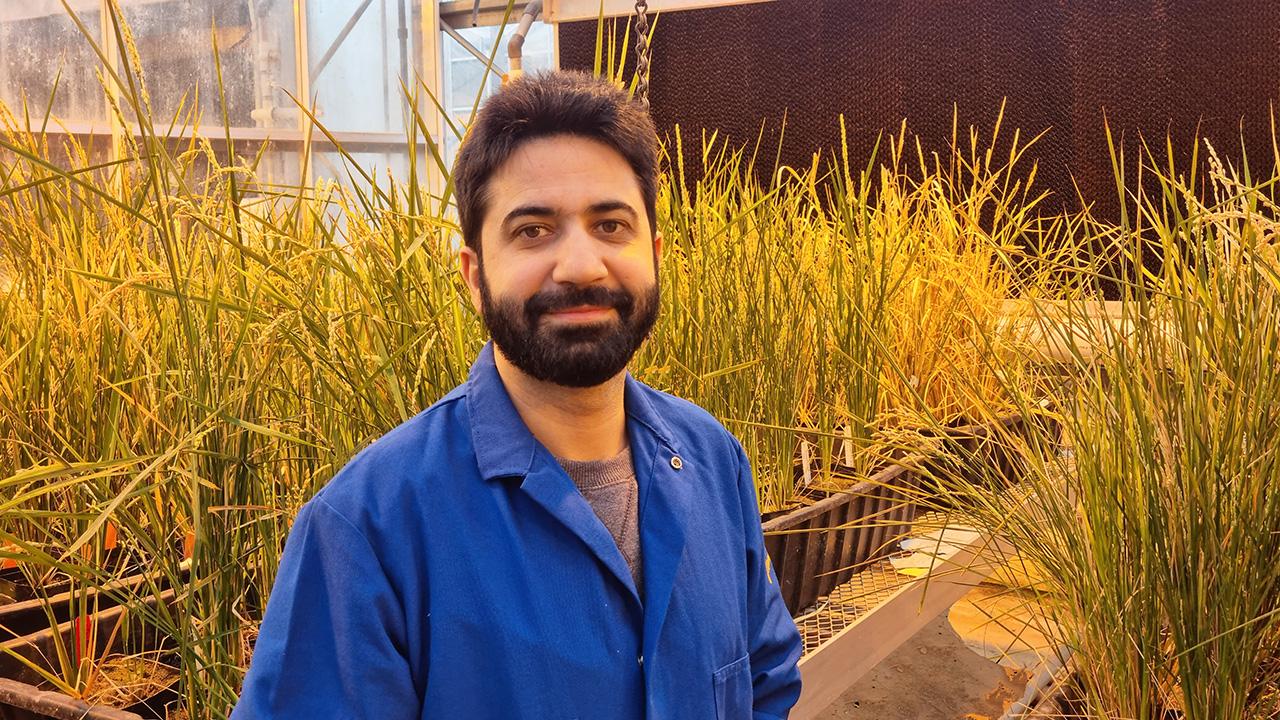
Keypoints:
(505, 447)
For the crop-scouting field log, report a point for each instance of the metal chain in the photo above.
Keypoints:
(642, 52)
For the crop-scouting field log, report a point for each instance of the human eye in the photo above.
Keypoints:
(532, 232)
(612, 227)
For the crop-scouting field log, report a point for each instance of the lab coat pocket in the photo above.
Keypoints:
(733, 690)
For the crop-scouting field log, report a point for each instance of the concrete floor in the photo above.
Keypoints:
(932, 676)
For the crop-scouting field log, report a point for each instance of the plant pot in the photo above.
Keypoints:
(13, 587)
(31, 613)
(966, 447)
(816, 548)
(984, 443)
(23, 695)
(20, 701)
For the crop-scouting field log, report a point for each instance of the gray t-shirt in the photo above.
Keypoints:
(610, 488)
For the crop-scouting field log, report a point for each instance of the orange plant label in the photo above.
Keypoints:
(86, 634)
(8, 563)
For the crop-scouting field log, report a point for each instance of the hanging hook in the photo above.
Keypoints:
(642, 52)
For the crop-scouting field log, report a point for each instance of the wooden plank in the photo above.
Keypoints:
(866, 534)
(792, 519)
(809, 570)
(848, 541)
(834, 538)
(791, 564)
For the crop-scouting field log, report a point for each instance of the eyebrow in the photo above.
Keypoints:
(595, 209)
(611, 206)
(527, 210)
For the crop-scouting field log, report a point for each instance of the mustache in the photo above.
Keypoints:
(554, 300)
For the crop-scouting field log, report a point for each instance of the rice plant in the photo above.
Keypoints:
(189, 354)
(1155, 525)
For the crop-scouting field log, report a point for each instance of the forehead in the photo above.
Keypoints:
(563, 172)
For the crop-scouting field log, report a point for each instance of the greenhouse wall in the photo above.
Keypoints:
(1151, 67)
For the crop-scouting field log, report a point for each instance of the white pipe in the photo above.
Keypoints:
(515, 64)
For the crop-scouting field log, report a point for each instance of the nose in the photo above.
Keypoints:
(578, 258)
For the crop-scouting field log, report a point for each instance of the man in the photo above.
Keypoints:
(552, 539)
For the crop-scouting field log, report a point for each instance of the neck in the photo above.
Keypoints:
(573, 423)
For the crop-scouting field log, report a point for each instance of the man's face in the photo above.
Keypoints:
(568, 284)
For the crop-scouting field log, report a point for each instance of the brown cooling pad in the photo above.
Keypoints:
(1154, 67)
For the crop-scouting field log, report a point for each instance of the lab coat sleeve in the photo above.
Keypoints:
(330, 642)
(774, 642)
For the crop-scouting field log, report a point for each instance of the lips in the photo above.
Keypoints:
(581, 312)
(578, 305)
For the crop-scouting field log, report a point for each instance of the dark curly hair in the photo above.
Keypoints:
(544, 104)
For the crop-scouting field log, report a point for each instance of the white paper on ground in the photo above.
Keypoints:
(932, 549)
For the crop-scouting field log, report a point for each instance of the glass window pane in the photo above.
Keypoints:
(357, 60)
(280, 168)
(464, 81)
(463, 71)
(255, 42)
(333, 166)
(38, 40)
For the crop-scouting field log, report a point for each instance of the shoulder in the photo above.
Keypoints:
(689, 424)
(714, 461)
(396, 470)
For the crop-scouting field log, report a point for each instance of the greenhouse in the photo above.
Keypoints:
(666, 359)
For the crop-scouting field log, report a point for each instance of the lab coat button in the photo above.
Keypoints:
(676, 462)
(640, 660)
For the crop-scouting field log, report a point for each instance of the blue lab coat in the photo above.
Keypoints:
(453, 570)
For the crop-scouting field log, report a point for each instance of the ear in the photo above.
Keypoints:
(469, 266)
(657, 249)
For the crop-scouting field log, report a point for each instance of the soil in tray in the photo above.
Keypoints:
(931, 676)
(142, 684)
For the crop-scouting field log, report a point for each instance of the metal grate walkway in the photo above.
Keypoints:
(849, 602)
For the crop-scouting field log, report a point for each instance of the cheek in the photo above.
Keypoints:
(517, 277)
(635, 265)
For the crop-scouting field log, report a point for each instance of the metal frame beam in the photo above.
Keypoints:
(282, 138)
(11, 11)
(431, 75)
(350, 25)
(466, 13)
(558, 11)
(466, 44)
(471, 13)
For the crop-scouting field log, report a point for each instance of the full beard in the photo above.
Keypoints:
(578, 355)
